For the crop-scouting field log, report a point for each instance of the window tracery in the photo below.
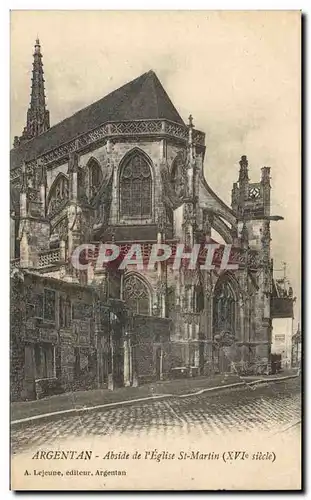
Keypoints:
(136, 188)
(136, 295)
(59, 194)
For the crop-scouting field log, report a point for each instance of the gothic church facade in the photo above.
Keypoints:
(128, 169)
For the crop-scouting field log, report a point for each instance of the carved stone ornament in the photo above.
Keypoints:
(174, 180)
(73, 162)
(179, 174)
(224, 338)
(41, 169)
(161, 288)
(74, 214)
(189, 215)
(161, 220)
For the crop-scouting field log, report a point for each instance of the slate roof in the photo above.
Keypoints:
(142, 98)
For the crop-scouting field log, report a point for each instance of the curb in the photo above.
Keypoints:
(77, 411)
(275, 379)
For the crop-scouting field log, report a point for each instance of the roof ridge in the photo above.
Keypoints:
(86, 107)
(143, 98)
(97, 101)
(158, 87)
(153, 75)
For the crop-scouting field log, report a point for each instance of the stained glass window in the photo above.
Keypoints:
(136, 295)
(136, 188)
(224, 308)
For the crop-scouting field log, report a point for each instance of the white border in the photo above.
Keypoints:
(4, 194)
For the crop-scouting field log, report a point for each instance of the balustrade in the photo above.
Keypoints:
(49, 257)
(115, 129)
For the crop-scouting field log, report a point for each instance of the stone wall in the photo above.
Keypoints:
(17, 349)
(151, 337)
(46, 343)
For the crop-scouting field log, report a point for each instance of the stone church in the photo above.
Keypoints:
(128, 169)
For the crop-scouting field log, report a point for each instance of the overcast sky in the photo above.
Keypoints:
(237, 73)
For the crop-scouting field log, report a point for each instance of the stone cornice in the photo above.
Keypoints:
(114, 130)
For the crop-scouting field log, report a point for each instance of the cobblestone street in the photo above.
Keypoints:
(267, 408)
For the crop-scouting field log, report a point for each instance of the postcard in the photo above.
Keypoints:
(155, 219)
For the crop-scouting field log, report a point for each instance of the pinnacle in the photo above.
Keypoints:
(37, 115)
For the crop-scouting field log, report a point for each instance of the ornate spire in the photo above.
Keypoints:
(38, 117)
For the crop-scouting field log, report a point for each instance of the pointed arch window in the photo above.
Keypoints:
(136, 188)
(224, 307)
(58, 195)
(95, 177)
(136, 295)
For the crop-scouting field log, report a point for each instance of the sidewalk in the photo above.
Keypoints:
(289, 372)
(72, 401)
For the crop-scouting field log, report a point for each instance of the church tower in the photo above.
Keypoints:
(38, 117)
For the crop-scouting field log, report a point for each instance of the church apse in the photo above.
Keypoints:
(137, 176)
